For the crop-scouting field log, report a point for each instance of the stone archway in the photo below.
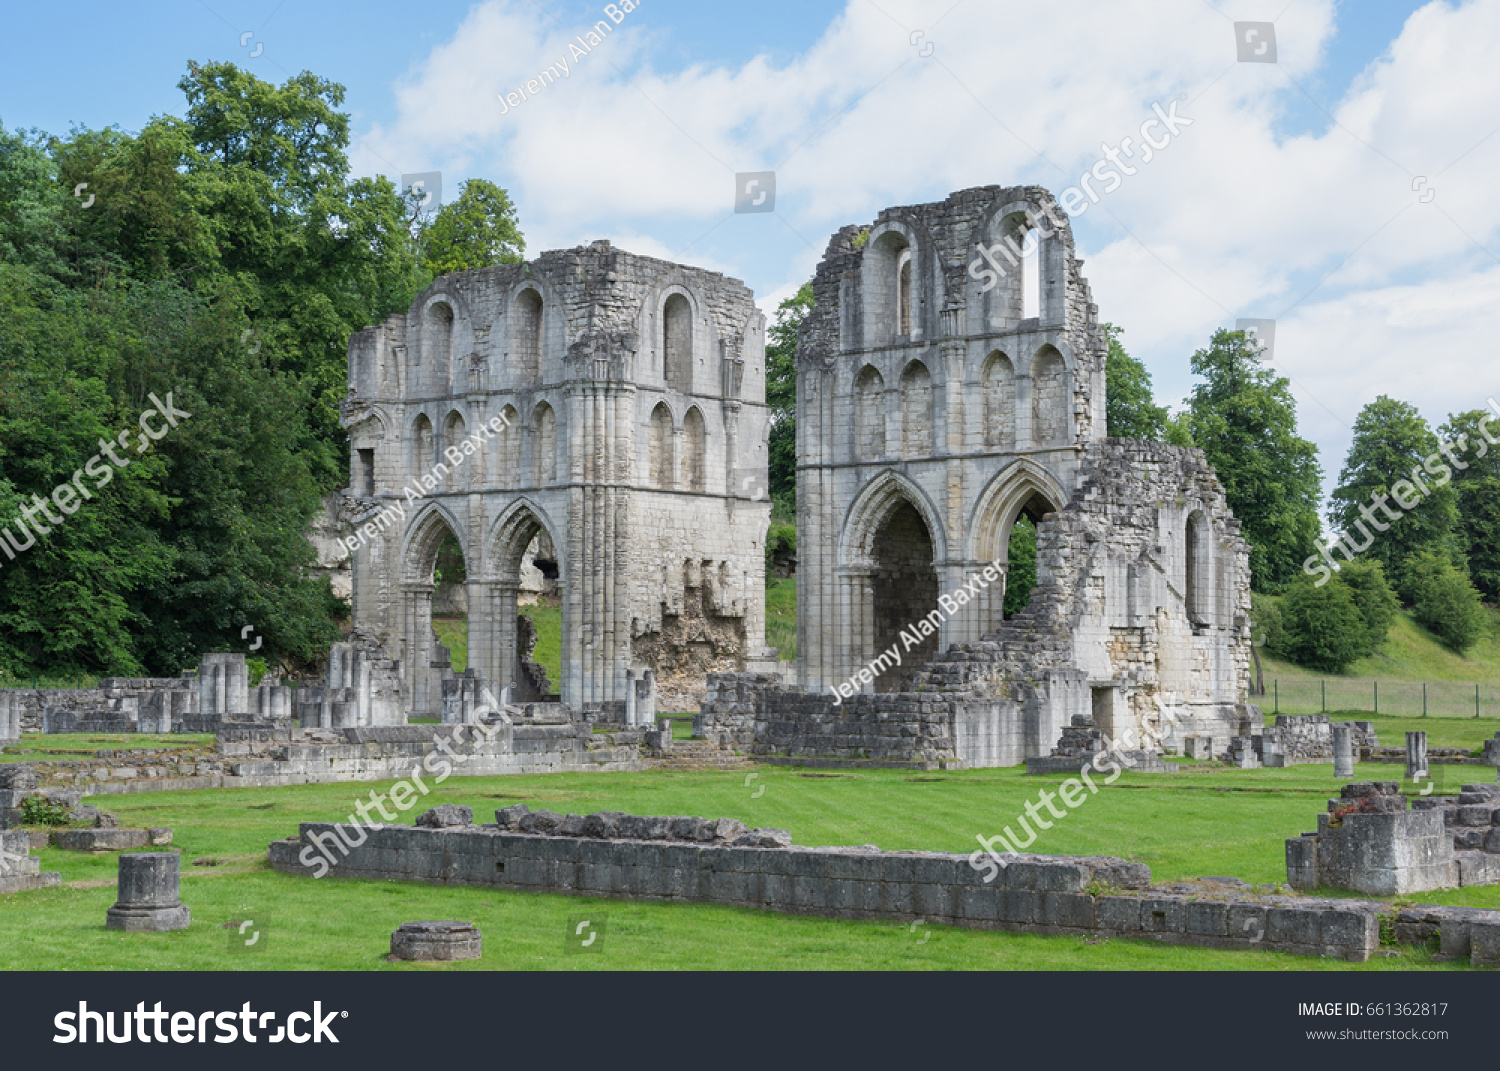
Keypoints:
(508, 641)
(424, 667)
(903, 590)
(889, 580)
(1023, 489)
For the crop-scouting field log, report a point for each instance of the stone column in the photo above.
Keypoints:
(148, 901)
(1343, 752)
(629, 697)
(1416, 755)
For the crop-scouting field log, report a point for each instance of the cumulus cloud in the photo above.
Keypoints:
(1374, 289)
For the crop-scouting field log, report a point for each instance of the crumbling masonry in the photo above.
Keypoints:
(612, 405)
(931, 413)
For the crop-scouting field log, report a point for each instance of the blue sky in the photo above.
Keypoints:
(1290, 197)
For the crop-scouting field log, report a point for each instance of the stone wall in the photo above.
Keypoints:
(1307, 738)
(1108, 637)
(640, 859)
(1370, 842)
(614, 407)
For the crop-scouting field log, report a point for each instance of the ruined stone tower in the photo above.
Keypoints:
(613, 404)
(931, 412)
(950, 378)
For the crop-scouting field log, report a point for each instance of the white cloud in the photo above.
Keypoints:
(1234, 219)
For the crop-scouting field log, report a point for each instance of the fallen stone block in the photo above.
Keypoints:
(436, 941)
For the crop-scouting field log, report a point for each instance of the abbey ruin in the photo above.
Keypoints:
(937, 401)
(601, 416)
(609, 403)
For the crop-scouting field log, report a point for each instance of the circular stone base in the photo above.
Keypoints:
(433, 941)
(137, 918)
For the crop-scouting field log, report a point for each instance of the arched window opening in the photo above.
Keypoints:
(424, 449)
(869, 415)
(1031, 274)
(998, 382)
(526, 346)
(663, 468)
(694, 445)
(916, 411)
(544, 425)
(1049, 404)
(677, 343)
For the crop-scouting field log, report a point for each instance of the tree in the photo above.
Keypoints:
(1477, 489)
(781, 394)
(1244, 419)
(1376, 502)
(1325, 630)
(1130, 409)
(1445, 602)
(1020, 573)
(1372, 593)
(479, 230)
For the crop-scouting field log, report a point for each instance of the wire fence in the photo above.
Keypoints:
(1409, 699)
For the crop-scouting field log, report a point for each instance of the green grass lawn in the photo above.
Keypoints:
(453, 632)
(69, 747)
(781, 617)
(1204, 821)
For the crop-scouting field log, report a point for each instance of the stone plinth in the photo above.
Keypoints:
(436, 941)
(1371, 843)
(148, 901)
(1343, 752)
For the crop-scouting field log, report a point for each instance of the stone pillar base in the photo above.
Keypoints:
(434, 941)
(136, 918)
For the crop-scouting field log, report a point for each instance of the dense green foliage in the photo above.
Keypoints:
(220, 260)
(781, 395)
(479, 230)
(1020, 575)
(1391, 447)
(1130, 409)
(1444, 601)
(1374, 597)
(1477, 486)
(1324, 627)
(1244, 419)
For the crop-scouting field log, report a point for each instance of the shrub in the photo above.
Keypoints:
(1267, 626)
(38, 810)
(781, 547)
(1325, 630)
(1374, 596)
(1445, 601)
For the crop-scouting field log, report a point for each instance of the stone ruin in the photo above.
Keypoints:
(610, 408)
(936, 404)
(599, 406)
(1370, 842)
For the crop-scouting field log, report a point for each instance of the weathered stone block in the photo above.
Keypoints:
(436, 941)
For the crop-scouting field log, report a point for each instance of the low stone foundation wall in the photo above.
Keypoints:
(1296, 739)
(757, 714)
(1093, 896)
(359, 754)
